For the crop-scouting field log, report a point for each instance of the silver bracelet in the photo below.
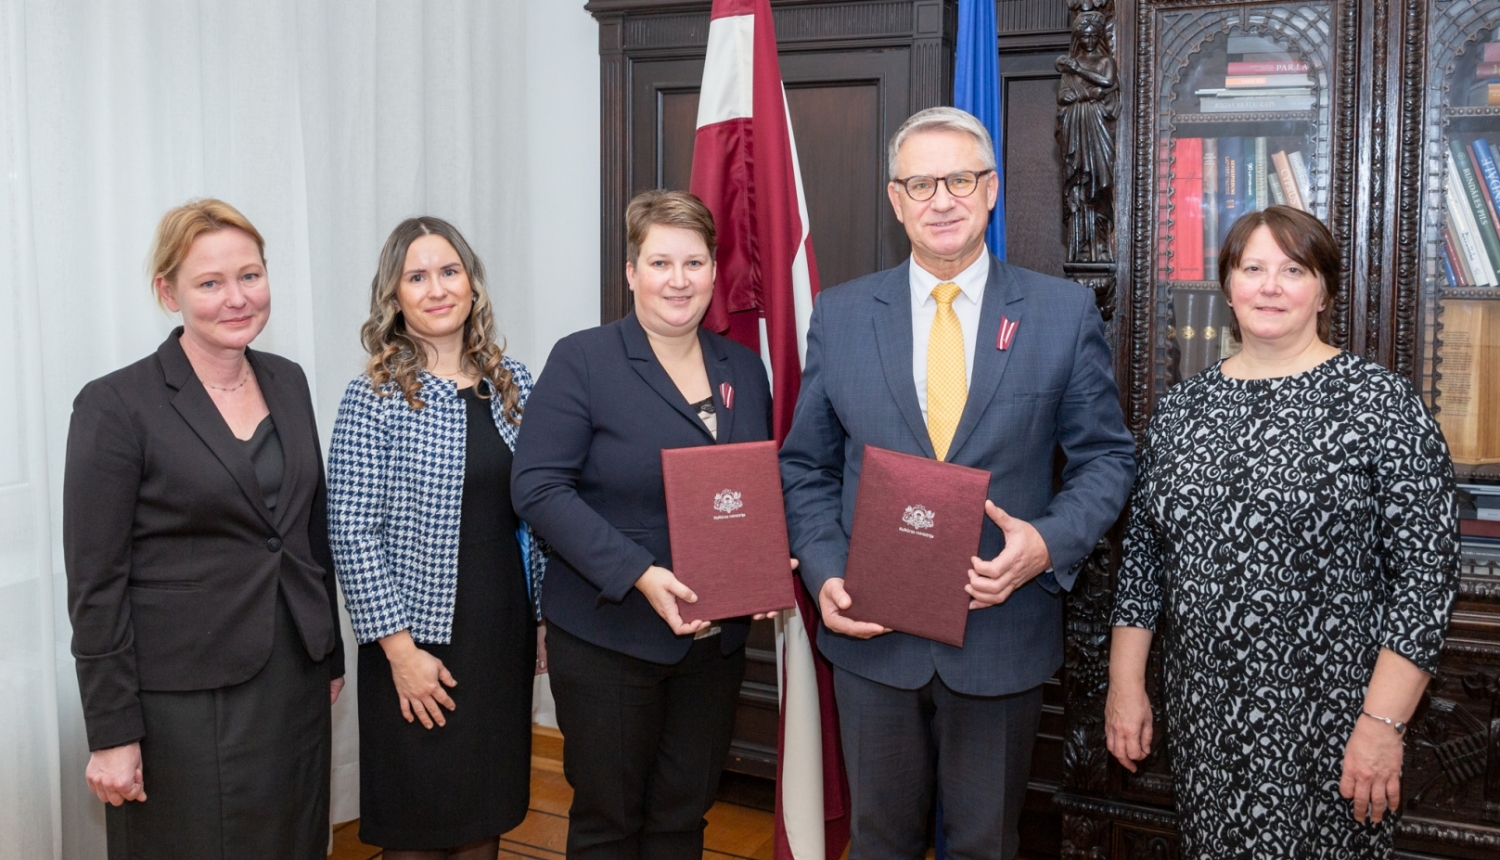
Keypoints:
(1399, 727)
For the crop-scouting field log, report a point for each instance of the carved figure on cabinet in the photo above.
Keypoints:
(1088, 96)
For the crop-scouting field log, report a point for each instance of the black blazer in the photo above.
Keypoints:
(587, 476)
(173, 558)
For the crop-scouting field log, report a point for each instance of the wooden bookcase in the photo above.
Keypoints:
(1391, 86)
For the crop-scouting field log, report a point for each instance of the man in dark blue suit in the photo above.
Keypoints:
(918, 716)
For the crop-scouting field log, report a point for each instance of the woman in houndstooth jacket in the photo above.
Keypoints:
(439, 576)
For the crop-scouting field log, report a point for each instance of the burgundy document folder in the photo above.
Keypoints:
(916, 526)
(728, 529)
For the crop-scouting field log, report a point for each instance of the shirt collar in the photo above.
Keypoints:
(970, 281)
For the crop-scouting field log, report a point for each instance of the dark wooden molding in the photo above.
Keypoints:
(635, 31)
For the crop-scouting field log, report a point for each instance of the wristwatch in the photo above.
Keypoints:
(1399, 727)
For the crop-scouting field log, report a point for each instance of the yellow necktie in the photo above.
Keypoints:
(947, 383)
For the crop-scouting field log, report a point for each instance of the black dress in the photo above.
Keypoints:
(1282, 532)
(424, 789)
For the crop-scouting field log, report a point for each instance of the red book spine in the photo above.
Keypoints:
(1289, 67)
(1487, 70)
(1187, 197)
(1479, 528)
(1491, 53)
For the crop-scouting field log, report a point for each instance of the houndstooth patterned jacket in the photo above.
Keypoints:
(395, 490)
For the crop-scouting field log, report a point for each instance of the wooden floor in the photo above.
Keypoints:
(734, 832)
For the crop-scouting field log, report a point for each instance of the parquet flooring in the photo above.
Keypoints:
(734, 832)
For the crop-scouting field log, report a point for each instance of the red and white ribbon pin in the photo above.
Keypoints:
(1007, 333)
(726, 394)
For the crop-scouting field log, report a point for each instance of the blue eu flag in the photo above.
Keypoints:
(976, 89)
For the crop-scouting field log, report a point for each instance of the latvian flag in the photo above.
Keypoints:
(745, 169)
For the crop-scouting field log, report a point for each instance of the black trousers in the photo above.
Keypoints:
(902, 745)
(644, 744)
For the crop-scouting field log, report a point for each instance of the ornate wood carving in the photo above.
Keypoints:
(633, 31)
(1086, 675)
(1088, 96)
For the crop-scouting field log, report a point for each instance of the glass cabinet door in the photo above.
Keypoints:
(1460, 356)
(1242, 121)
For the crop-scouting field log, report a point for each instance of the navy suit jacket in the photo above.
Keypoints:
(1052, 388)
(587, 476)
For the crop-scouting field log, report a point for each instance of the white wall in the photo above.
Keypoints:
(325, 122)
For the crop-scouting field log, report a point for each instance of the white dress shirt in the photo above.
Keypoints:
(970, 283)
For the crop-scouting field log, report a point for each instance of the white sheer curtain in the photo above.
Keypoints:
(325, 123)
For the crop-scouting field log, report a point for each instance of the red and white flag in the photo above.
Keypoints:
(745, 169)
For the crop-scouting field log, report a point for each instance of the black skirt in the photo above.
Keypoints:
(235, 772)
(427, 789)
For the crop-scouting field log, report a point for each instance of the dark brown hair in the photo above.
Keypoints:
(1300, 236)
(395, 355)
(669, 209)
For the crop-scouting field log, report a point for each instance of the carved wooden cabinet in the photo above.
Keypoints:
(1386, 103)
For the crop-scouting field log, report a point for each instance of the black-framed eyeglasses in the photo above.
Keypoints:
(961, 183)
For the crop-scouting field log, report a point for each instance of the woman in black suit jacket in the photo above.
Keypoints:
(200, 584)
(645, 699)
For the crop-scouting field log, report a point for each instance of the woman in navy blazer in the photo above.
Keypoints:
(645, 699)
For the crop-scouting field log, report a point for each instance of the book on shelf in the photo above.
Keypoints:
(1267, 67)
(1477, 160)
(1468, 385)
(1489, 170)
(1260, 161)
(1483, 94)
(1187, 195)
(1304, 179)
(1465, 232)
(1468, 182)
(1484, 71)
(1273, 185)
(1254, 104)
(1453, 259)
(1201, 318)
(1287, 180)
(1248, 201)
(1491, 53)
(1231, 183)
(1210, 208)
(1257, 45)
(1295, 82)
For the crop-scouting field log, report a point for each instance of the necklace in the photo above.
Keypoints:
(244, 378)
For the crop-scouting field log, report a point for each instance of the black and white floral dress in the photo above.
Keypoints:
(1282, 532)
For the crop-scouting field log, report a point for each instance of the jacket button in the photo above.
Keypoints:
(274, 544)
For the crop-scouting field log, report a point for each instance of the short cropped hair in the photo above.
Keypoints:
(668, 209)
(181, 226)
(1300, 236)
(941, 119)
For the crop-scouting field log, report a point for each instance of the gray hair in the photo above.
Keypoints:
(941, 119)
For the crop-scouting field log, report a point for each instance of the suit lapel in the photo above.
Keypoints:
(716, 362)
(292, 427)
(1002, 298)
(198, 410)
(893, 340)
(645, 364)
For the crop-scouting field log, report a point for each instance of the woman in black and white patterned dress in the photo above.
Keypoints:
(1293, 537)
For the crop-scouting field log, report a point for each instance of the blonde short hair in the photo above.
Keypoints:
(182, 226)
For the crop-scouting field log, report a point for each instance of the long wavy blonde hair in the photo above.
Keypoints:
(397, 356)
